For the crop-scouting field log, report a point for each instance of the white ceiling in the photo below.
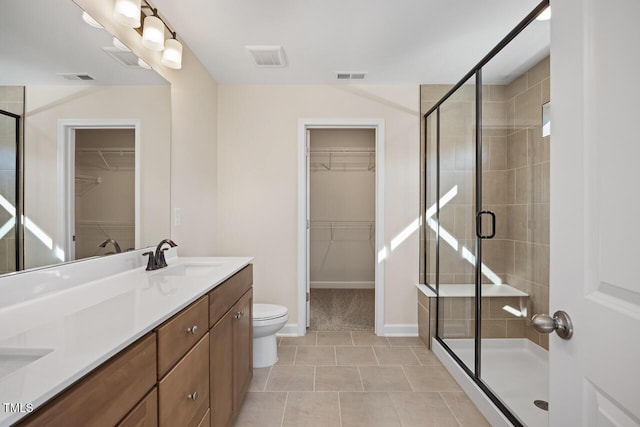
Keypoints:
(401, 41)
(43, 38)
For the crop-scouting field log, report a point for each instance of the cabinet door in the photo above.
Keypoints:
(145, 414)
(242, 348)
(221, 370)
(183, 394)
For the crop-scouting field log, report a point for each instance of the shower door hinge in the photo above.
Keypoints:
(307, 296)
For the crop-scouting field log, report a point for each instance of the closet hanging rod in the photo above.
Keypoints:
(110, 150)
(89, 178)
(342, 224)
(342, 152)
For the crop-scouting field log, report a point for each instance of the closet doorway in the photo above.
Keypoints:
(343, 248)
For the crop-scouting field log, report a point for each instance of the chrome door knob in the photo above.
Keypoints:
(560, 322)
(193, 329)
(193, 396)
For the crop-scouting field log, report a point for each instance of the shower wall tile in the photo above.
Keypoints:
(538, 147)
(538, 223)
(493, 328)
(524, 185)
(493, 188)
(517, 86)
(497, 150)
(510, 186)
(433, 92)
(517, 222)
(546, 90)
(517, 149)
(538, 72)
(516, 328)
(528, 107)
(494, 114)
(501, 220)
(523, 260)
(497, 92)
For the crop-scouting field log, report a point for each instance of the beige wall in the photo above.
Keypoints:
(45, 106)
(342, 201)
(194, 116)
(258, 174)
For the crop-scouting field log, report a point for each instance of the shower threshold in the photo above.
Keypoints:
(515, 369)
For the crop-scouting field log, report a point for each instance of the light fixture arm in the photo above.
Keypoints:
(146, 5)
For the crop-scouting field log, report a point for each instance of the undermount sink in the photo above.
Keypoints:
(190, 269)
(14, 358)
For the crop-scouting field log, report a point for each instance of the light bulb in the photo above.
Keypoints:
(127, 12)
(153, 33)
(172, 55)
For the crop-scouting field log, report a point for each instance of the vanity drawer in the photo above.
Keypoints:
(178, 334)
(107, 394)
(183, 394)
(225, 295)
(145, 414)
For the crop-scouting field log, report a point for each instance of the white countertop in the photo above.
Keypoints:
(82, 325)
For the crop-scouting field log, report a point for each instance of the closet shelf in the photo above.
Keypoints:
(342, 159)
(84, 183)
(341, 224)
(113, 158)
(346, 230)
(99, 223)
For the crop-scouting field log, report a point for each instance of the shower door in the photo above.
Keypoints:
(10, 238)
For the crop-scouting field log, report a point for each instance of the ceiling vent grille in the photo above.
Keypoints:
(351, 75)
(126, 59)
(267, 56)
(76, 76)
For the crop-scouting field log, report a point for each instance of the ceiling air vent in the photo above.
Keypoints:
(76, 76)
(126, 59)
(267, 56)
(351, 75)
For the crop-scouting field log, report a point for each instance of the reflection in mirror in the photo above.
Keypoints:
(77, 112)
(546, 119)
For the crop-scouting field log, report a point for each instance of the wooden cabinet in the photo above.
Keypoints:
(178, 334)
(106, 395)
(183, 394)
(181, 374)
(231, 361)
(145, 414)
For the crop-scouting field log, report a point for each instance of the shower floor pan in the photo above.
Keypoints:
(516, 370)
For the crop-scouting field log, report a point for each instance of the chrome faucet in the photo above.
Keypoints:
(115, 244)
(158, 260)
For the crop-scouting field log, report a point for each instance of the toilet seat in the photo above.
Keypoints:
(268, 311)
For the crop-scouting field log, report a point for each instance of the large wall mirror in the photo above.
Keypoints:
(84, 140)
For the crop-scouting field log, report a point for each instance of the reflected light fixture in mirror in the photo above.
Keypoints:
(127, 12)
(89, 20)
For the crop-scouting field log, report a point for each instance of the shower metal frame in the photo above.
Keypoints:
(476, 72)
(19, 205)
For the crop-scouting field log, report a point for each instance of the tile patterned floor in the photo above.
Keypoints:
(354, 378)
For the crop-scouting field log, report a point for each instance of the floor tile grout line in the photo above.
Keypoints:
(314, 377)
(416, 355)
(284, 409)
(375, 355)
(360, 375)
(295, 355)
(449, 408)
(406, 377)
(264, 388)
(339, 410)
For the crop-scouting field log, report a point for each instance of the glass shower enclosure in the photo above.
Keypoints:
(10, 209)
(485, 207)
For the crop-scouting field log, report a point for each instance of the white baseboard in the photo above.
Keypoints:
(289, 330)
(342, 285)
(401, 330)
(477, 396)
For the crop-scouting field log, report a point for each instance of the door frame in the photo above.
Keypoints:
(66, 176)
(378, 125)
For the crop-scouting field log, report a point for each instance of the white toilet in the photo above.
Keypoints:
(267, 320)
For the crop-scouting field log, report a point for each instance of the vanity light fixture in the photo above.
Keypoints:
(172, 55)
(89, 20)
(153, 32)
(127, 12)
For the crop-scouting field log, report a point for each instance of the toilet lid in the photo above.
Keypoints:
(268, 311)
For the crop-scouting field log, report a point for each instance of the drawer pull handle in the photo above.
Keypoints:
(193, 396)
(239, 314)
(193, 330)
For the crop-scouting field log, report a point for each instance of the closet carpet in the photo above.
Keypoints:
(342, 309)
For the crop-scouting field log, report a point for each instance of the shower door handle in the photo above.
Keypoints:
(560, 322)
(479, 225)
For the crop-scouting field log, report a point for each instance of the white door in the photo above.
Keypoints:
(595, 212)
(308, 181)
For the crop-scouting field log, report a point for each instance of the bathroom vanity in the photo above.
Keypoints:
(171, 347)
